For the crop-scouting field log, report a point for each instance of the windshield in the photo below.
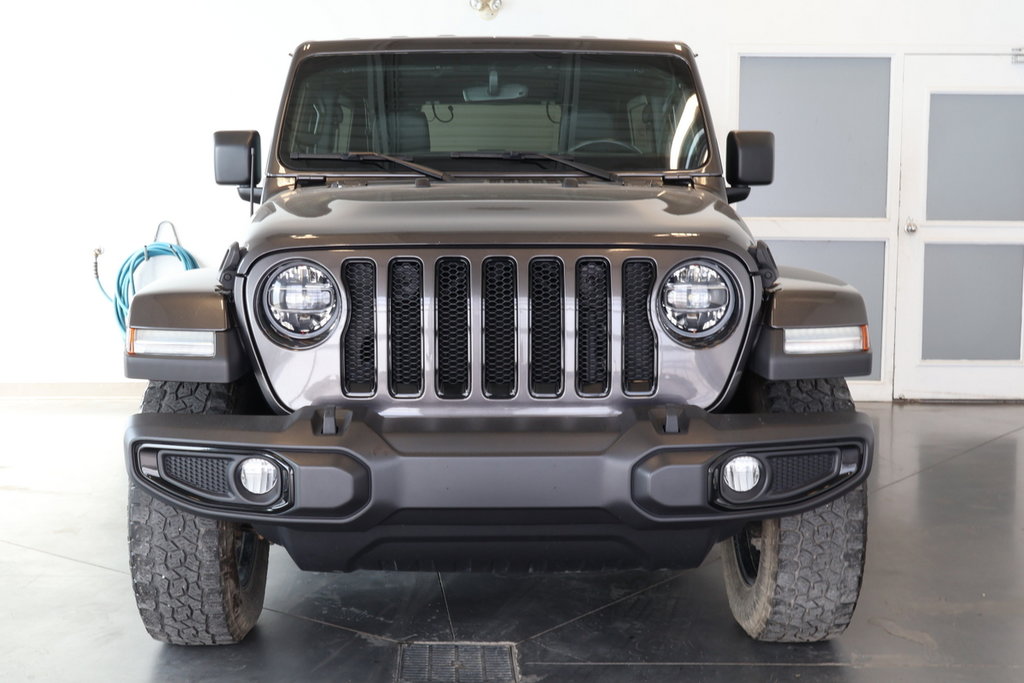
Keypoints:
(627, 112)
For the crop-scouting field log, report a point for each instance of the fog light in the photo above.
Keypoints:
(258, 475)
(742, 473)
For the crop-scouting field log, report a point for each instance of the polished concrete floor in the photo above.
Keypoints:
(943, 596)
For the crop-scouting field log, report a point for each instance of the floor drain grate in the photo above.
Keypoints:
(456, 663)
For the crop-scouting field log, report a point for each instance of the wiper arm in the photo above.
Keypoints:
(375, 156)
(601, 173)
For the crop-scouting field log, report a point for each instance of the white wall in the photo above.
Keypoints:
(109, 106)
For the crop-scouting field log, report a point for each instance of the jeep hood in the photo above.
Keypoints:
(512, 214)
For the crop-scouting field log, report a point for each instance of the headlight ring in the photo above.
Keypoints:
(697, 302)
(301, 302)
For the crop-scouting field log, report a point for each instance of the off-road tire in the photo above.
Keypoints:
(197, 581)
(825, 395)
(801, 585)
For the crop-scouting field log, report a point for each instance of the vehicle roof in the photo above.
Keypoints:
(453, 43)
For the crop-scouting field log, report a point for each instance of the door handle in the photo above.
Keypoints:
(911, 225)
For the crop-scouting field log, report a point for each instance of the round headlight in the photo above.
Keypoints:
(300, 300)
(698, 300)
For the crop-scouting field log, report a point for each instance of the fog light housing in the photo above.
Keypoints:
(742, 474)
(258, 476)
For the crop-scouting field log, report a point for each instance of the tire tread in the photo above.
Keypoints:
(821, 560)
(182, 565)
(807, 588)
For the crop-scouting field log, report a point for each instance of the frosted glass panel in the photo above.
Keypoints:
(830, 116)
(972, 302)
(975, 153)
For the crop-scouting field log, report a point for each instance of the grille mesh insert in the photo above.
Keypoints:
(593, 292)
(499, 321)
(792, 472)
(546, 333)
(359, 344)
(205, 474)
(452, 296)
(406, 334)
(637, 331)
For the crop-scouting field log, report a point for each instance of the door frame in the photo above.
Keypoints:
(879, 229)
(914, 377)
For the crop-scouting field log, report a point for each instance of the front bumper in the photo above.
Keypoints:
(640, 488)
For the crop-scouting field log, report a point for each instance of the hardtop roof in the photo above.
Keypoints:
(452, 43)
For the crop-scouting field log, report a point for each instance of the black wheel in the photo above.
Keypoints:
(797, 579)
(197, 581)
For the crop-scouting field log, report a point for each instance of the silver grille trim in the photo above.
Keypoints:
(317, 376)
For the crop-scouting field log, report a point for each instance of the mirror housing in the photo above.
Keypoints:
(236, 157)
(749, 160)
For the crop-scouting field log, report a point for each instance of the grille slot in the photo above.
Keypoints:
(499, 327)
(206, 474)
(593, 296)
(406, 327)
(546, 328)
(638, 339)
(359, 345)
(452, 297)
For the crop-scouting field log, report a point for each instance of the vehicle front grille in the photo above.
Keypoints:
(500, 327)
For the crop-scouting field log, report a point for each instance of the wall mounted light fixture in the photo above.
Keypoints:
(488, 9)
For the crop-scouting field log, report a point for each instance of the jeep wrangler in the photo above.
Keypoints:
(494, 312)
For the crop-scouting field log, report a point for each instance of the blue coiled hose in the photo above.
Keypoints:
(125, 288)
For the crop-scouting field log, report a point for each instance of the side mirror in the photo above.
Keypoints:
(749, 160)
(236, 157)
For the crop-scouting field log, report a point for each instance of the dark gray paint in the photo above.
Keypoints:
(806, 298)
(830, 117)
(972, 302)
(862, 264)
(483, 213)
(182, 301)
(975, 152)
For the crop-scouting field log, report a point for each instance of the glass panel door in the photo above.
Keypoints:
(961, 239)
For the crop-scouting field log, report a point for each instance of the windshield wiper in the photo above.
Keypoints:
(375, 156)
(601, 173)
